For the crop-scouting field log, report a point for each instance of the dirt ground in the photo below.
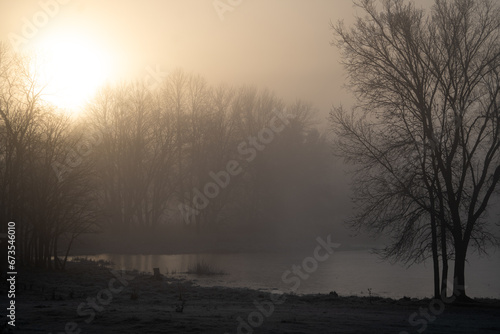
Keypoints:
(94, 299)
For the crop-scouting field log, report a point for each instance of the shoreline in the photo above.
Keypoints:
(264, 270)
(97, 299)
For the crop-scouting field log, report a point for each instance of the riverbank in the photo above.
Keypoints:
(91, 298)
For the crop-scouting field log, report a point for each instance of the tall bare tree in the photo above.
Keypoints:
(33, 139)
(425, 135)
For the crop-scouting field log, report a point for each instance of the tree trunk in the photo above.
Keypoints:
(459, 274)
(73, 237)
(444, 257)
(56, 259)
(435, 256)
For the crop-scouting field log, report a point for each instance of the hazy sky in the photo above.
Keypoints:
(283, 45)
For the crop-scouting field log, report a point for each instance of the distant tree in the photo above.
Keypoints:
(425, 134)
(164, 153)
(46, 206)
(134, 163)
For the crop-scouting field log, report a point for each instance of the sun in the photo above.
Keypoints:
(71, 66)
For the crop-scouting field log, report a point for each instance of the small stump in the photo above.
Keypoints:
(156, 274)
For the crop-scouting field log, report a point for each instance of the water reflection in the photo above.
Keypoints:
(347, 272)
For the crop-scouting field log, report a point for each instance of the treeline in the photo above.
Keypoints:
(32, 137)
(185, 153)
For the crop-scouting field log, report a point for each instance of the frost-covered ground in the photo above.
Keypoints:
(87, 298)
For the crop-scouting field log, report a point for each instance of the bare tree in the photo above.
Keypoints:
(135, 160)
(425, 134)
(33, 137)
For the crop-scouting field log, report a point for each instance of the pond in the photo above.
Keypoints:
(346, 272)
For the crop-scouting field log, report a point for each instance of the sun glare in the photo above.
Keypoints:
(72, 67)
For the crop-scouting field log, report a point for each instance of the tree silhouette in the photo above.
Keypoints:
(425, 135)
(47, 206)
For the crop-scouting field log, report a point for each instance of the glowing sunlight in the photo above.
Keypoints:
(72, 66)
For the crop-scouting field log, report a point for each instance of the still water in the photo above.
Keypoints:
(346, 272)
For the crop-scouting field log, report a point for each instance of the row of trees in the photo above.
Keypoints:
(137, 157)
(425, 135)
(161, 148)
(32, 137)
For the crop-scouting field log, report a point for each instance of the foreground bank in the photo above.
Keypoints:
(88, 298)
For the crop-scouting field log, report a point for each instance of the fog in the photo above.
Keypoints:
(205, 166)
(280, 46)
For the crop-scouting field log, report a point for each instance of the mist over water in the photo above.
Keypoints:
(346, 272)
(250, 166)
